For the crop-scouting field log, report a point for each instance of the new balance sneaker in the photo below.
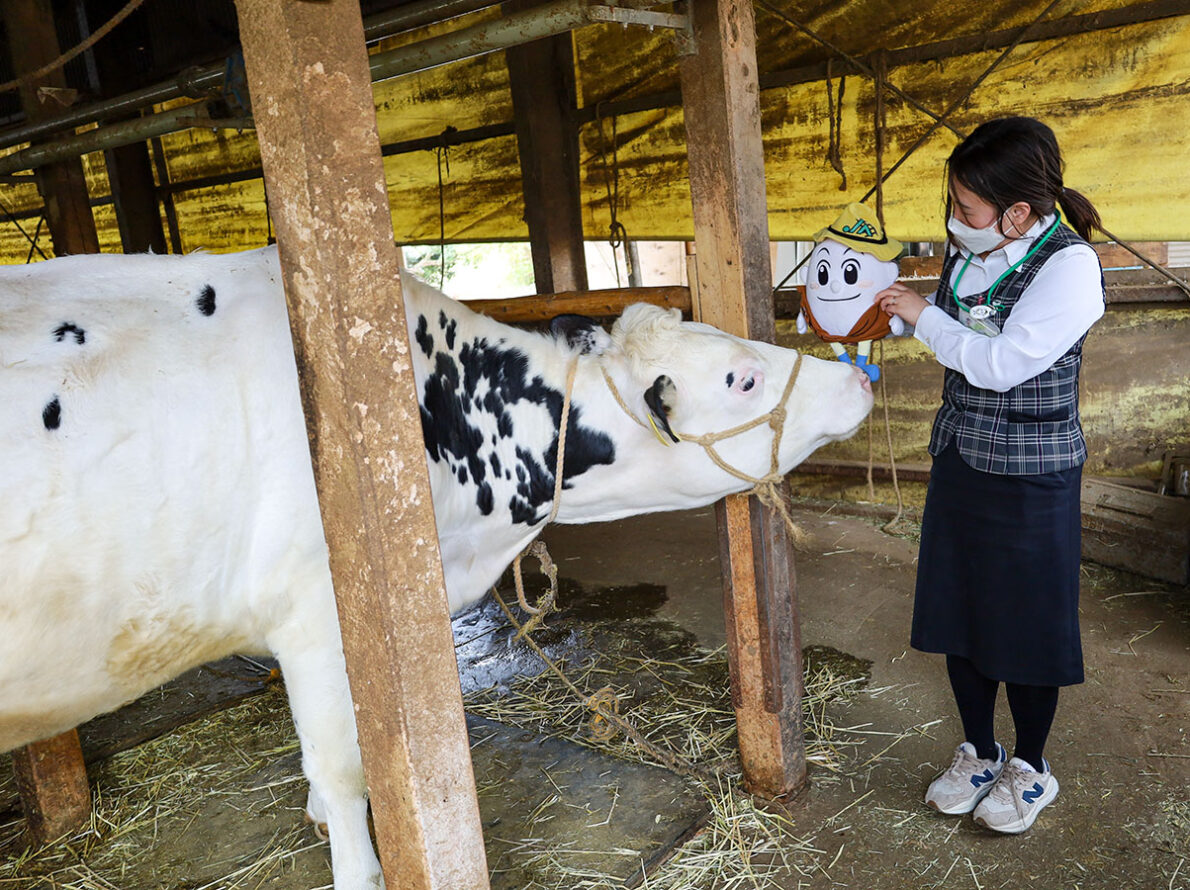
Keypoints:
(1017, 797)
(966, 782)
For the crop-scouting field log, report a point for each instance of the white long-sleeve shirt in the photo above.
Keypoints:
(1059, 306)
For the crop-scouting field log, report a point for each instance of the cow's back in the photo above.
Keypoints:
(156, 500)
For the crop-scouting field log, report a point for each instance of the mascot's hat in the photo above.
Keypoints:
(859, 229)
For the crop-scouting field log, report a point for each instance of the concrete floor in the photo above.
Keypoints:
(1119, 746)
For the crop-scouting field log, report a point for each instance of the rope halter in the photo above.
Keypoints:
(766, 487)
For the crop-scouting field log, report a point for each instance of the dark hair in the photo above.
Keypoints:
(1013, 159)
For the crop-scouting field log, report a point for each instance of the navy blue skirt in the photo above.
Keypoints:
(998, 572)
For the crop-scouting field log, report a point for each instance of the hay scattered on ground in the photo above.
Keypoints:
(680, 701)
(165, 780)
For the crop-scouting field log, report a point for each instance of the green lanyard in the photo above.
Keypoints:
(999, 307)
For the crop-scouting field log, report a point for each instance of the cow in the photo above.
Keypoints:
(157, 501)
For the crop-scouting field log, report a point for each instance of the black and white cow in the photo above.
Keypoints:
(157, 504)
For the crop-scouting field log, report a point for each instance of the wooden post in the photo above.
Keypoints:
(720, 95)
(312, 97)
(33, 41)
(52, 781)
(541, 77)
(129, 167)
(50, 774)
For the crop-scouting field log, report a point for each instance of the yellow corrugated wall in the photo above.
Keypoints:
(1116, 98)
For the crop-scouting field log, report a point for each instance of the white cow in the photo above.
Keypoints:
(157, 504)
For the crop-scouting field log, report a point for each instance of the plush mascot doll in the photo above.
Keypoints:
(852, 261)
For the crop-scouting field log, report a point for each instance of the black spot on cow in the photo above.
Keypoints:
(206, 300)
(462, 474)
(442, 319)
(483, 499)
(730, 379)
(450, 400)
(60, 332)
(51, 415)
(424, 338)
(494, 460)
(450, 334)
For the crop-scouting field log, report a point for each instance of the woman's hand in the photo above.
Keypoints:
(901, 301)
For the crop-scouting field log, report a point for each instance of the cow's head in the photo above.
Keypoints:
(688, 379)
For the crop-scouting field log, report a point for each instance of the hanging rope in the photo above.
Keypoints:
(881, 72)
(857, 63)
(945, 116)
(834, 113)
(881, 69)
(617, 234)
(98, 35)
(443, 154)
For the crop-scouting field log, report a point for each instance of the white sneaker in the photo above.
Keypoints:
(1016, 799)
(966, 782)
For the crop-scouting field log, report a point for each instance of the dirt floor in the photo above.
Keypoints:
(227, 812)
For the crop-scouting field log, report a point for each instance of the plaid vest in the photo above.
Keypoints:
(1034, 427)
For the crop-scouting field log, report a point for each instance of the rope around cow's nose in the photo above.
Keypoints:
(766, 488)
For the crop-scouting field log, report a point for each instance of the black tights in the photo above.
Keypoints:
(1032, 709)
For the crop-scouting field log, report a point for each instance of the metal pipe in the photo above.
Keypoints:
(415, 15)
(192, 82)
(513, 29)
(477, 40)
(551, 19)
(115, 135)
(199, 80)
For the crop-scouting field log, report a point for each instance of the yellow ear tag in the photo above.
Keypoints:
(656, 432)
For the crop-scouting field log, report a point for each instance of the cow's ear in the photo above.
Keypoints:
(660, 398)
(581, 333)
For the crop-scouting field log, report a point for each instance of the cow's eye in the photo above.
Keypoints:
(851, 271)
(824, 273)
(748, 384)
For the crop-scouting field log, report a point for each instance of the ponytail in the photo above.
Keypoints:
(1011, 159)
(1080, 213)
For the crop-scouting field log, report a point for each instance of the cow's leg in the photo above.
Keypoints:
(316, 679)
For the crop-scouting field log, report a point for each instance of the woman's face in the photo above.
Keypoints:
(970, 209)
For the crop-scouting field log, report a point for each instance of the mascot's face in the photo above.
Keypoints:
(841, 282)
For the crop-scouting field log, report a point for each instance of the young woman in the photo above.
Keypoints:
(998, 570)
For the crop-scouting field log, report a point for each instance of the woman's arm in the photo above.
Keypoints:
(1058, 307)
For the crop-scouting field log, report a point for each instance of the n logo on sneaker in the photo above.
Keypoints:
(983, 778)
(1031, 795)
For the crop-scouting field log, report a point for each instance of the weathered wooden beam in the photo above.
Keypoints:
(129, 167)
(541, 79)
(33, 41)
(595, 303)
(720, 96)
(308, 72)
(50, 774)
(52, 780)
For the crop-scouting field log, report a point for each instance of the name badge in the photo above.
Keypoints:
(981, 324)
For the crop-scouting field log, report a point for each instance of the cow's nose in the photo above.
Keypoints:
(865, 381)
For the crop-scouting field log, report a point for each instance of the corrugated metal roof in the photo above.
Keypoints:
(1117, 98)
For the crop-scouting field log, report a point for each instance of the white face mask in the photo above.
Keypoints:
(976, 240)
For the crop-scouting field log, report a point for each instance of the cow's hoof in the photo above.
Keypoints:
(320, 828)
